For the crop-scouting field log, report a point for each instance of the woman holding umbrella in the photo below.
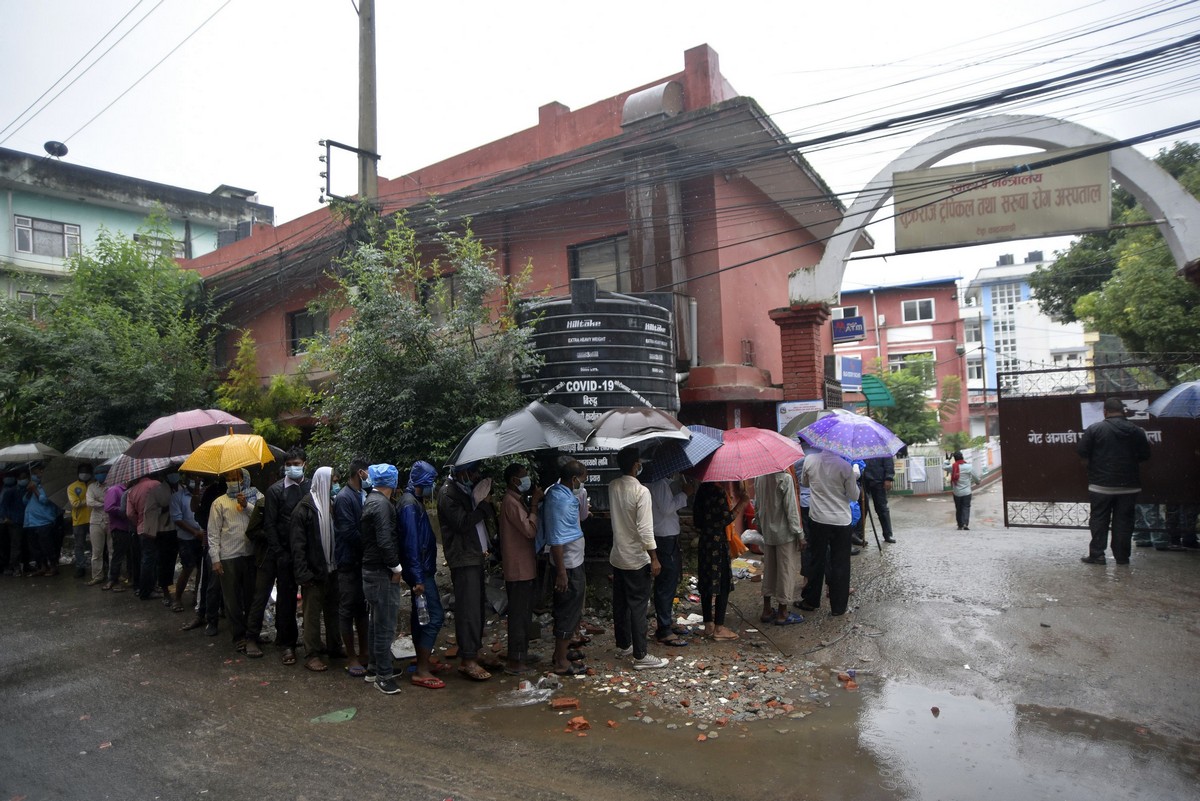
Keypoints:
(712, 514)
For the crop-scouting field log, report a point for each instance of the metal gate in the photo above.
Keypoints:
(1043, 414)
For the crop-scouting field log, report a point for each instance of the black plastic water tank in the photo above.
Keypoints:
(602, 350)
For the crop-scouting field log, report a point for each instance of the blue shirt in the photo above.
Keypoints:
(39, 509)
(181, 509)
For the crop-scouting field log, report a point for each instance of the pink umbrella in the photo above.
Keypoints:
(177, 435)
(748, 453)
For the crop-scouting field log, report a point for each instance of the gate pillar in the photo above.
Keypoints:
(803, 359)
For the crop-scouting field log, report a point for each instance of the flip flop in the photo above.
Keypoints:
(682, 631)
(573, 670)
(790, 620)
(315, 665)
(358, 671)
(673, 642)
(474, 674)
(431, 683)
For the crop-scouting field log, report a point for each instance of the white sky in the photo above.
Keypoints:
(245, 100)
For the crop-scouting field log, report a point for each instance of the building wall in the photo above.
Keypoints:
(889, 337)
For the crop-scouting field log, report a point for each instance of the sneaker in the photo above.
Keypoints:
(625, 651)
(387, 686)
(650, 662)
(369, 677)
(1093, 560)
(211, 630)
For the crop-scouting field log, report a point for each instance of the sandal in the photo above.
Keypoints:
(177, 607)
(431, 683)
(356, 671)
(289, 656)
(579, 642)
(682, 631)
(475, 673)
(573, 670)
(790, 620)
(315, 665)
(673, 642)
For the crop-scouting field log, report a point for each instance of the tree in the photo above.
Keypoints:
(1124, 281)
(910, 419)
(124, 344)
(432, 347)
(242, 393)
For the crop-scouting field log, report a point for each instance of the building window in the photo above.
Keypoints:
(923, 360)
(918, 311)
(974, 370)
(971, 330)
(163, 246)
(303, 326)
(46, 238)
(843, 312)
(607, 261)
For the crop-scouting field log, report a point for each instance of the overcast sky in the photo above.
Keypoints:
(245, 99)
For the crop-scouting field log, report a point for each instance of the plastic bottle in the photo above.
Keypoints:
(422, 610)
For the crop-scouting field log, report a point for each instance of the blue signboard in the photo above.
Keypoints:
(849, 329)
(851, 368)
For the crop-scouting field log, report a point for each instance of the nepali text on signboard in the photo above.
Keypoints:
(849, 329)
(987, 201)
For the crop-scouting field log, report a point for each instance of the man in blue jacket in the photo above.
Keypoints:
(420, 567)
(347, 551)
(42, 518)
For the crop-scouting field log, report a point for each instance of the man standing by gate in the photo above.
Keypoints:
(1113, 448)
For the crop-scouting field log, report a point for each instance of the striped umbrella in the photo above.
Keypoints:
(126, 469)
(100, 448)
(675, 456)
(748, 453)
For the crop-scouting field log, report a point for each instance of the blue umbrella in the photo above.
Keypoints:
(1179, 401)
(675, 456)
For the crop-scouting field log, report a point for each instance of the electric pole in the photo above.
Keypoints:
(368, 145)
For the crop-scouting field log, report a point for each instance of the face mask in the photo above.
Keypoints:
(22, 482)
(101, 477)
(334, 490)
(233, 490)
(367, 485)
(467, 484)
(294, 472)
(172, 478)
(638, 472)
(85, 476)
(524, 484)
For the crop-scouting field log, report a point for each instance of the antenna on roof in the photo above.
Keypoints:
(56, 149)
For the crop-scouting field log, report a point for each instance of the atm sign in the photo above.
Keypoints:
(849, 329)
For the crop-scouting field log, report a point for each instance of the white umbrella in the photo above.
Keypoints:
(100, 448)
(27, 452)
(630, 425)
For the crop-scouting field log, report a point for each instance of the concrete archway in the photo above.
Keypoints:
(1154, 188)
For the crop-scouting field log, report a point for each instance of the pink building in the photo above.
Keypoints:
(899, 322)
(678, 186)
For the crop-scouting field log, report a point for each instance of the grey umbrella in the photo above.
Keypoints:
(27, 452)
(105, 446)
(534, 427)
(629, 425)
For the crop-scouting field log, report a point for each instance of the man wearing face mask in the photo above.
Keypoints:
(81, 517)
(102, 545)
(420, 568)
(12, 518)
(348, 552)
(382, 572)
(230, 551)
(560, 529)
(277, 569)
(167, 543)
(518, 529)
(634, 559)
(464, 543)
(188, 535)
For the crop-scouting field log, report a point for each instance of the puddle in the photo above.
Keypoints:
(979, 750)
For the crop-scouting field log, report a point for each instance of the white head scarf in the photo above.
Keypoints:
(321, 482)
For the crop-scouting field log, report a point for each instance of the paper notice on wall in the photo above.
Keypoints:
(916, 470)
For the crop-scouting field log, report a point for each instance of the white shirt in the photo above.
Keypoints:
(665, 504)
(632, 522)
(831, 479)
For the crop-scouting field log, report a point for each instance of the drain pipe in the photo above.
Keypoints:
(693, 336)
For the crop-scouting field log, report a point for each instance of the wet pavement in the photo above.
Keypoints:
(1050, 679)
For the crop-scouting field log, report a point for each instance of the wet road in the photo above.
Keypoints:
(1052, 680)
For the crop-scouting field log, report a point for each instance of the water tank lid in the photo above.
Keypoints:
(657, 102)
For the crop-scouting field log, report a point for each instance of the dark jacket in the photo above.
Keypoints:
(458, 516)
(277, 515)
(879, 470)
(347, 538)
(380, 540)
(308, 558)
(416, 534)
(1113, 448)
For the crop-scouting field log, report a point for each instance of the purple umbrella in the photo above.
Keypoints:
(177, 435)
(853, 436)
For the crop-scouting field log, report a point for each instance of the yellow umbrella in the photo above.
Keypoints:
(230, 452)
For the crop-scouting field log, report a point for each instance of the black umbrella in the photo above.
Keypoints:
(537, 426)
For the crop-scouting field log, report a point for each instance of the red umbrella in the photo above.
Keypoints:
(177, 435)
(748, 453)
